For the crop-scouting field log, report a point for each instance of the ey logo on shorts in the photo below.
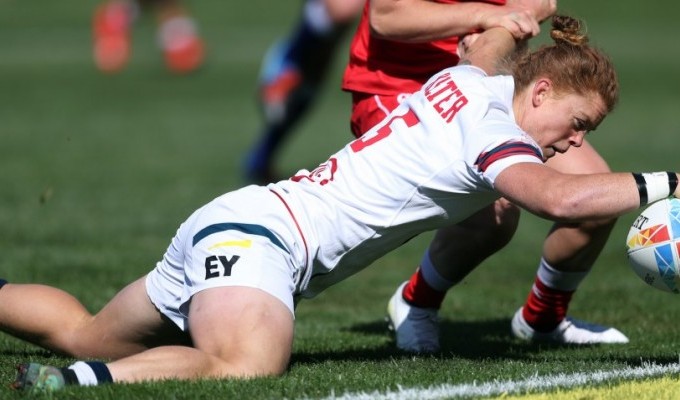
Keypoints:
(216, 266)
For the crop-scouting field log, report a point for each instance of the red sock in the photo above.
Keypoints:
(419, 293)
(546, 307)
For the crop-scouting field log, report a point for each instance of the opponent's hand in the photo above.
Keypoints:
(520, 22)
(542, 9)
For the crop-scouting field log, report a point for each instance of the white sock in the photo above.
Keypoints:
(84, 373)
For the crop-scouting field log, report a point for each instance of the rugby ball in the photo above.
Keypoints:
(653, 245)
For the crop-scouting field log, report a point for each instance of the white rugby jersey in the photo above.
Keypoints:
(430, 164)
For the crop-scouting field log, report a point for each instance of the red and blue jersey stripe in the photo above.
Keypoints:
(507, 149)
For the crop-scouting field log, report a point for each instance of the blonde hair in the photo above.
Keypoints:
(570, 63)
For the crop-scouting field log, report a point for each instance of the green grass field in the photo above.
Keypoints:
(97, 172)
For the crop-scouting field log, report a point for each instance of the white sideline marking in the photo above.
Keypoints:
(495, 388)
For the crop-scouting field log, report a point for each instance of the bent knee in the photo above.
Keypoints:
(71, 339)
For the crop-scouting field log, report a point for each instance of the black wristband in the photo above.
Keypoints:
(642, 188)
(672, 182)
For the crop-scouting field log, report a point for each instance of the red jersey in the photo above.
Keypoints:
(386, 67)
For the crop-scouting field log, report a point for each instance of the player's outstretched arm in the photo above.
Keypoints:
(573, 198)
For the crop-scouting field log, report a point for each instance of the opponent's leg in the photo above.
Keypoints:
(53, 319)
(412, 310)
(291, 77)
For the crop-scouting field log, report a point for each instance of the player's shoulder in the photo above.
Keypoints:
(467, 70)
(455, 76)
(481, 86)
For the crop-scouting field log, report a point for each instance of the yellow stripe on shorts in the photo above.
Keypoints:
(232, 243)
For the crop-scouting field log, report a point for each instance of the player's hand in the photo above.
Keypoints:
(542, 9)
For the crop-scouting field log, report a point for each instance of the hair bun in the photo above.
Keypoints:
(567, 30)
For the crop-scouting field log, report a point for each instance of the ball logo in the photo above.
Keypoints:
(650, 236)
(653, 245)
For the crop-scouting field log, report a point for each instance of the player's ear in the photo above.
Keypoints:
(542, 89)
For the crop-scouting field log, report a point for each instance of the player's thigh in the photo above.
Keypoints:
(240, 309)
(579, 160)
(131, 323)
(248, 328)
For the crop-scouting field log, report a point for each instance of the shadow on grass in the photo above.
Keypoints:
(472, 340)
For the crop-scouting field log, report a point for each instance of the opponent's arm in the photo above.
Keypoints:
(424, 20)
(541, 9)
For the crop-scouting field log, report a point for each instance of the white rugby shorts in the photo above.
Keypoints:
(242, 238)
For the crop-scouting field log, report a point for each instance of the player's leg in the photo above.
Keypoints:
(291, 77)
(232, 292)
(569, 252)
(231, 287)
(53, 319)
(412, 310)
(236, 331)
(234, 295)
